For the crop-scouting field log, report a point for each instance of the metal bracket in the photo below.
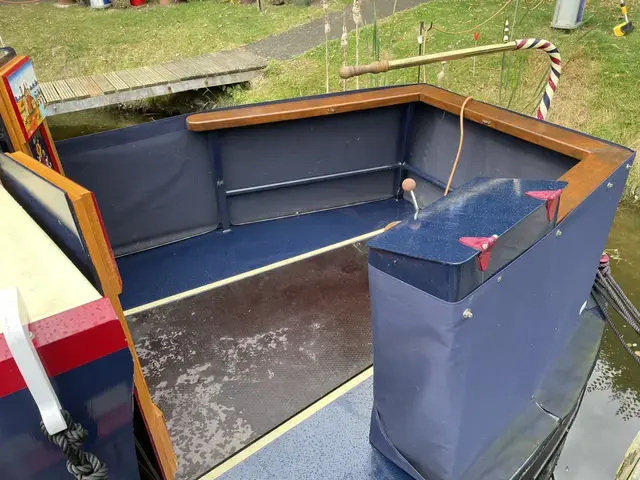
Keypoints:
(484, 245)
(14, 319)
(552, 199)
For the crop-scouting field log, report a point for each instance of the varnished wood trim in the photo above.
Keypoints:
(109, 278)
(313, 107)
(80, 197)
(600, 158)
(587, 175)
(530, 129)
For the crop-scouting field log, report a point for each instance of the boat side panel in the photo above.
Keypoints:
(285, 151)
(153, 182)
(99, 395)
(288, 168)
(485, 153)
(329, 194)
(519, 327)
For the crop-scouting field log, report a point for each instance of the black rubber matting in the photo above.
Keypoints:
(230, 364)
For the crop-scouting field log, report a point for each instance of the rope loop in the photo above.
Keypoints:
(82, 465)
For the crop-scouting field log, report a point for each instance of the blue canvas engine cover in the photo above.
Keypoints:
(455, 381)
(507, 216)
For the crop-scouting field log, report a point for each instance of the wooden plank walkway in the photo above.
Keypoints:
(207, 70)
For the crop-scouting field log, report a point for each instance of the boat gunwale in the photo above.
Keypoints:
(596, 159)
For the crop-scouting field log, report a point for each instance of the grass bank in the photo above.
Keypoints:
(600, 71)
(79, 41)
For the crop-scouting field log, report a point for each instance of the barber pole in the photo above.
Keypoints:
(554, 73)
(524, 44)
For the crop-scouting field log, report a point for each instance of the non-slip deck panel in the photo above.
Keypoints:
(230, 364)
(155, 274)
(333, 443)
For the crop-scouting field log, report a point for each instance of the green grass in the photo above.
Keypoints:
(596, 93)
(78, 40)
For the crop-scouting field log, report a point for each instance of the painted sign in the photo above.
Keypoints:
(27, 96)
(40, 149)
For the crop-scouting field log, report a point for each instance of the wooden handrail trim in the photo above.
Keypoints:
(596, 159)
(315, 107)
(587, 175)
(526, 128)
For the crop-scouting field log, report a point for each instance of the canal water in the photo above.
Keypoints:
(609, 418)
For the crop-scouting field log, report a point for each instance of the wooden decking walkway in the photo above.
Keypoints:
(208, 70)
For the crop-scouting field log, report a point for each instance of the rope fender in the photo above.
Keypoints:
(82, 465)
(554, 74)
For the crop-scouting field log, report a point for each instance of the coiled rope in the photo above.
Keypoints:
(82, 465)
(554, 73)
(606, 290)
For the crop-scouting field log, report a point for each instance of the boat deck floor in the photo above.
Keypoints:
(156, 274)
(329, 440)
(228, 365)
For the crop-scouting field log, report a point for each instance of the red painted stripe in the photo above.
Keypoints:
(521, 43)
(66, 341)
(545, 45)
(555, 60)
(552, 85)
(539, 114)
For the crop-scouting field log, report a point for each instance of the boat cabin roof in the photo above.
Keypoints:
(47, 280)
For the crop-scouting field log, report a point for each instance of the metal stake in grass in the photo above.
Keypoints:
(327, 29)
(505, 39)
(357, 19)
(440, 77)
(420, 32)
(376, 41)
(344, 43)
(476, 37)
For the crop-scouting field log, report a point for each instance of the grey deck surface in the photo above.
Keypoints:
(230, 364)
(207, 70)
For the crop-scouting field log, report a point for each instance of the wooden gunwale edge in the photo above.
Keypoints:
(600, 158)
(304, 108)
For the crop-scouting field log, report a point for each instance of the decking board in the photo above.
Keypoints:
(206, 70)
(104, 84)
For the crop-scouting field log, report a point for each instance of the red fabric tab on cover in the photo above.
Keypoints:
(484, 245)
(552, 197)
(66, 341)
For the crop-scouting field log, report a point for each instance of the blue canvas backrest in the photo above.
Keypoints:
(51, 209)
(158, 182)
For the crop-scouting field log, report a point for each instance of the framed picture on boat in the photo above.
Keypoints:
(26, 96)
(41, 149)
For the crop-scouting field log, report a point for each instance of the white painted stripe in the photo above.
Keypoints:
(286, 426)
(251, 273)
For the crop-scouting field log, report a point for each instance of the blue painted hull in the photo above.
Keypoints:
(451, 399)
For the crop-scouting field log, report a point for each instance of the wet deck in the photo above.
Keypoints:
(230, 364)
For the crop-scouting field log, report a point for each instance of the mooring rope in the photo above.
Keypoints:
(82, 465)
(606, 290)
(554, 74)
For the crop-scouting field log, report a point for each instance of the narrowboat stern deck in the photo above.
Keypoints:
(250, 294)
(230, 359)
